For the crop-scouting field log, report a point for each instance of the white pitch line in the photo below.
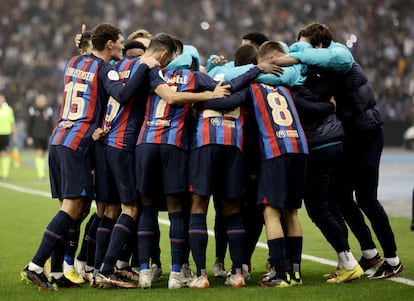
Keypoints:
(211, 233)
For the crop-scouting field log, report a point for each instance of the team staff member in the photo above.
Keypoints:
(39, 128)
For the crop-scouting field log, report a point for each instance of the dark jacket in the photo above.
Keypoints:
(316, 112)
(356, 104)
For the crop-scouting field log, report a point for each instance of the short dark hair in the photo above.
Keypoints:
(162, 42)
(317, 33)
(85, 39)
(133, 45)
(103, 33)
(245, 54)
(179, 44)
(257, 38)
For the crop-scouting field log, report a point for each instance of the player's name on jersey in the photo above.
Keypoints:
(80, 74)
(176, 79)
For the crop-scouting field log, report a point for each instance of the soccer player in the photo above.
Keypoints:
(7, 132)
(282, 173)
(216, 168)
(88, 83)
(39, 128)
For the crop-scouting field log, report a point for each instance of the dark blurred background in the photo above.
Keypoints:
(37, 38)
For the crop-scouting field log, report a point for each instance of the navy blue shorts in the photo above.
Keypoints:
(40, 143)
(160, 169)
(4, 142)
(216, 169)
(114, 175)
(70, 173)
(282, 181)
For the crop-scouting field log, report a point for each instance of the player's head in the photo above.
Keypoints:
(2, 99)
(180, 46)
(245, 54)
(141, 35)
(108, 37)
(269, 50)
(255, 38)
(85, 43)
(133, 49)
(162, 47)
(41, 100)
(317, 34)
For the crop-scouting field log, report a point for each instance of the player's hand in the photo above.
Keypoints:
(99, 133)
(219, 61)
(149, 61)
(78, 36)
(221, 90)
(29, 141)
(333, 101)
(270, 68)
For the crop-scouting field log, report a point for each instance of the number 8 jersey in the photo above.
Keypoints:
(279, 126)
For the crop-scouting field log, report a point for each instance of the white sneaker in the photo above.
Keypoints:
(145, 278)
(199, 282)
(219, 271)
(174, 281)
(156, 272)
(235, 280)
(186, 274)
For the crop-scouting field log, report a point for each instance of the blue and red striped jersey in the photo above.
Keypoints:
(278, 124)
(165, 123)
(278, 121)
(81, 106)
(125, 120)
(88, 83)
(219, 127)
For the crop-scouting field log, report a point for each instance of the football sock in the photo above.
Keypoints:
(369, 253)
(393, 260)
(84, 245)
(155, 249)
(103, 236)
(56, 258)
(198, 240)
(5, 166)
(121, 232)
(55, 232)
(40, 167)
(277, 250)
(294, 251)
(346, 260)
(91, 247)
(177, 240)
(236, 236)
(145, 235)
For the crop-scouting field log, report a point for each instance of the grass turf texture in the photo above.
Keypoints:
(25, 215)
